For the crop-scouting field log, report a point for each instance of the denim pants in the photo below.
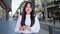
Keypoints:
(29, 33)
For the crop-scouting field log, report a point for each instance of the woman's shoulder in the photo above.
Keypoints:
(36, 16)
(19, 16)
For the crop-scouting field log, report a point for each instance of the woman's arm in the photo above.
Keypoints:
(36, 27)
(18, 24)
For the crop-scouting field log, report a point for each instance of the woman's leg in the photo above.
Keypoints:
(22, 33)
(32, 33)
(25, 33)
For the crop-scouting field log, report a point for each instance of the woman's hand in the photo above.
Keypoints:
(21, 28)
(26, 27)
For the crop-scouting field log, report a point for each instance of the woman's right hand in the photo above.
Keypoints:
(21, 28)
(26, 27)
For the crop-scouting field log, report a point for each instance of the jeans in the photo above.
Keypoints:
(29, 33)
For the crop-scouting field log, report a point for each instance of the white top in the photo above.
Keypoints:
(34, 29)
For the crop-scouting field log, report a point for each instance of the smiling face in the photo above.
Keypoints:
(28, 8)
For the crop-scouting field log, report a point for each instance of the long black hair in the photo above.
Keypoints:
(32, 17)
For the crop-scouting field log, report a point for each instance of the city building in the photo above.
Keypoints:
(5, 7)
(52, 7)
(2, 14)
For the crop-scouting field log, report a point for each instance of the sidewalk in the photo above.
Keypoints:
(55, 28)
(43, 32)
(9, 26)
(57, 24)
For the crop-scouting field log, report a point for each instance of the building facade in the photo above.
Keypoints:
(2, 15)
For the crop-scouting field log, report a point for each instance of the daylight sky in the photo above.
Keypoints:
(15, 5)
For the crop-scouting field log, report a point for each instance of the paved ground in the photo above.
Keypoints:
(9, 26)
(55, 28)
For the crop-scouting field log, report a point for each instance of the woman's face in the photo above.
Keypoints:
(28, 9)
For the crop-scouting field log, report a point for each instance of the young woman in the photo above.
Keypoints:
(27, 23)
